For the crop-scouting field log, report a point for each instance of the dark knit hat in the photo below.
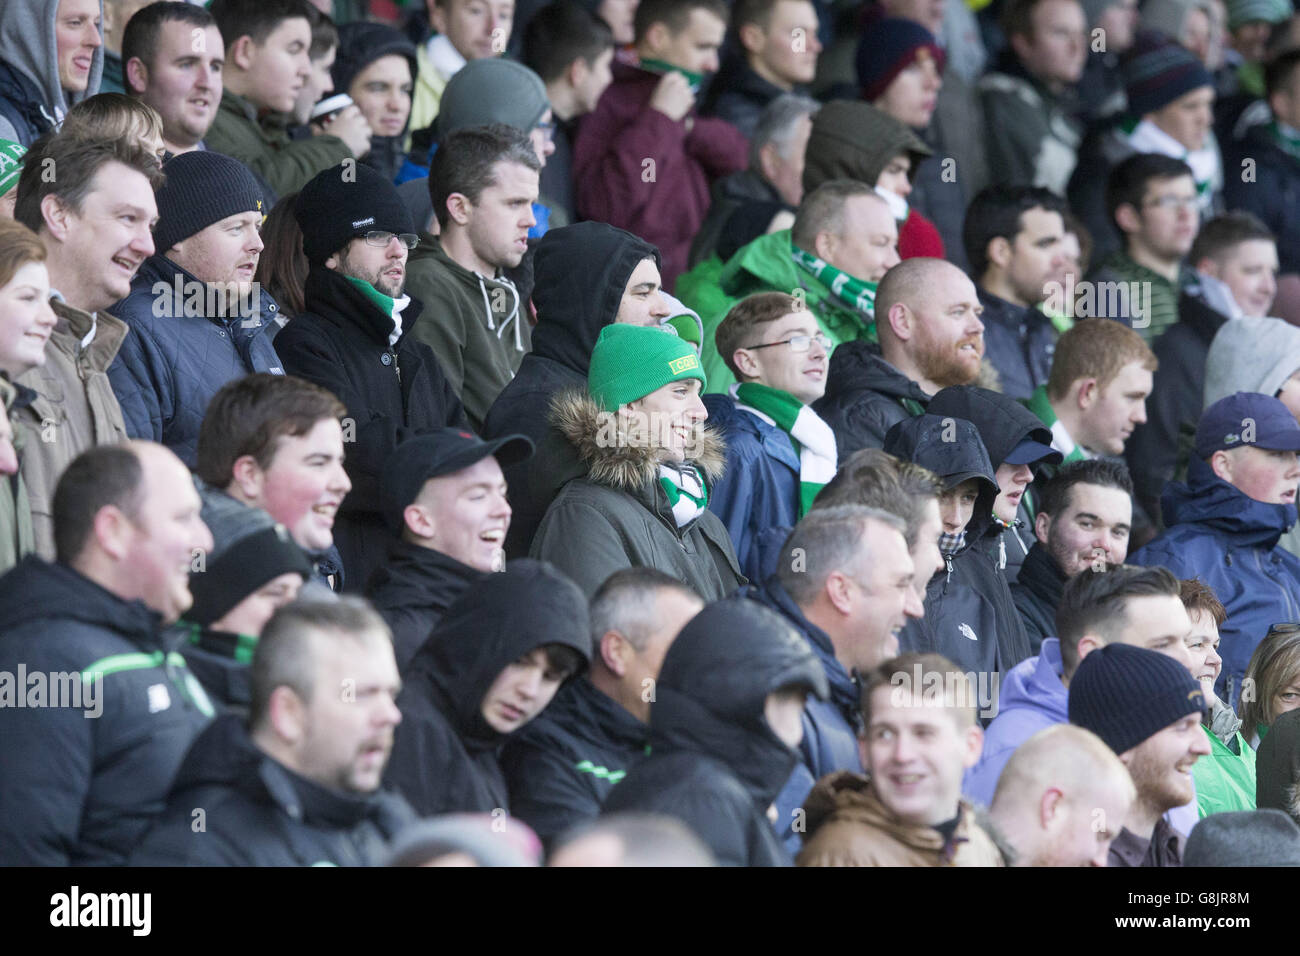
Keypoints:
(202, 187)
(1157, 71)
(249, 550)
(851, 139)
(1244, 838)
(630, 361)
(1125, 694)
(1277, 766)
(443, 452)
(1241, 12)
(343, 202)
(492, 91)
(888, 47)
(361, 44)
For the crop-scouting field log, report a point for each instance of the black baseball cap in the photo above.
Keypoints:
(443, 452)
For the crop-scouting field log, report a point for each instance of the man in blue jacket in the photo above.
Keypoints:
(844, 581)
(1225, 522)
(780, 452)
(197, 318)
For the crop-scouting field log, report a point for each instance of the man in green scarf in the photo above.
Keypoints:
(779, 451)
(843, 241)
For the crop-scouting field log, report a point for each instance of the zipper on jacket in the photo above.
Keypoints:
(397, 369)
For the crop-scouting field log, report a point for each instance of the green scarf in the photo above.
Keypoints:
(1288, 139)
(662, 66)
(687, 494)
(812, 438)
(857, 294)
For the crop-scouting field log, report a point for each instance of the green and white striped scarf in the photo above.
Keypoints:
(856, 293)
(812, 438)
(687, 495)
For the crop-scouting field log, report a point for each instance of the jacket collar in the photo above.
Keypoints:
(176, 287)
(1041, 577)
(844, 687)
(75, 326)
(328, 294)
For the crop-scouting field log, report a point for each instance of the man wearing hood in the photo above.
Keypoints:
(931, 337)
(646, 465)
(355, 340)
(483, 182)
(375, 65)
(445, 501)
(724, 727)
(587, 276)
(297, 783)
(1223, 525)
(563, 765)
(51, 57)
(88, 760)
(969, 613)
(493, 664)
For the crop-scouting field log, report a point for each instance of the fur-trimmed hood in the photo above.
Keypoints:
(621, 458)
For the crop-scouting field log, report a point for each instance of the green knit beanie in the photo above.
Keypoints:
(630, 362)
(11, 164)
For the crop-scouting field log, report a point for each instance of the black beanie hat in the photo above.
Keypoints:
(343, 202)
(202, 187)
(1125, 694)
(248, 551)
(361, 44)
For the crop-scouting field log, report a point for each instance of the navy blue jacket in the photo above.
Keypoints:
(759, 489)
(830, 727)
(1274, 193)
(1229, 541)
(1019, 342)
(176, 358)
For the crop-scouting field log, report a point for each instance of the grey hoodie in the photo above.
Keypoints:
(1251, 355)
(27, 45)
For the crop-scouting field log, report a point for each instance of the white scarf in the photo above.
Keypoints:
(1207, 168)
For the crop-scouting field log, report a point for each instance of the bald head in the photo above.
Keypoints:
(928, 321)
(1062, 798)
(913, 283)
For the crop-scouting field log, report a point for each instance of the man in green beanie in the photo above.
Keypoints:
(11, 164)
(638, 433)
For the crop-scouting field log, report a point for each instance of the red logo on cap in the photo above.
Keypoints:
(464, 434)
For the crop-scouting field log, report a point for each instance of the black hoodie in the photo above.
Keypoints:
(78, 788)
(715, 763)
(445, 753)
(865, 397)
(413, 590)
(1037, 593)
(580, 274)
(258, 812)
(974, 598)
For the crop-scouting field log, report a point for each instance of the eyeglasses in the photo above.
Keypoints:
(1174, 202)
(797, 343)
(382, 239)
(547, 129)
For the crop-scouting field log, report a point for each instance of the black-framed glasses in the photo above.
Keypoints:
(797, 343)
(382, 239)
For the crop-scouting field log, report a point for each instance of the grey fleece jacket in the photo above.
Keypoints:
(28, 45)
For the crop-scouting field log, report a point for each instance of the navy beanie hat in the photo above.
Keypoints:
(202, 187)
(344, 202)
(1157, 71)
(888, 47)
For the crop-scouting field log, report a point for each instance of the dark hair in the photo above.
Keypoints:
(256, 18)
(1278, 70)
(625, 602)
(740, 323)
(77, 161)
(1274, 666)
(282, 268)
(1196, 595)
(565, 659)
(284, 654)
(140, 38)
(995, 213)
(560, 33)
(1223, 233)
(923, 674)
(249, 416)
(1128, 181)
(877, 479)
(1018, 18)
(1073, 224)
(97, 478)
(674, 14)
(1103, 472)
(757, 12)
(466, 161)
(1095, 603)
(324, 34)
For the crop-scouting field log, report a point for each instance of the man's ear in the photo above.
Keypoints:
(247, 475)
(837, 591)
(998, 252)
(825, 244)
(615, 653)
(136, 74)
(243, 53)
(1042, 523)
(767, 161)
(1086, 391)
(1127, 218)
(974, 746)
(58, 216)
(1049, 806)
(752, 38)
(745, 361)
(1021, 45)
(657, 36)
(900, 322)
(1221, 465)
(1207, 267)
(112, 531)
(1087, 644)
(419, 521)
(437, 15)
(460, 208)
(286, 714)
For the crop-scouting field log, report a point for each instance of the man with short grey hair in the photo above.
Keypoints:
(845, 583)
(562, 766)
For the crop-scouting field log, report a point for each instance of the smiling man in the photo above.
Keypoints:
(496, 659)
(354, 339)
(51, 58)
(94, 219)
(197, 318)
(445, 498)
(483, 183)
(298, 783)
(1224, 523)
(167, 69)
